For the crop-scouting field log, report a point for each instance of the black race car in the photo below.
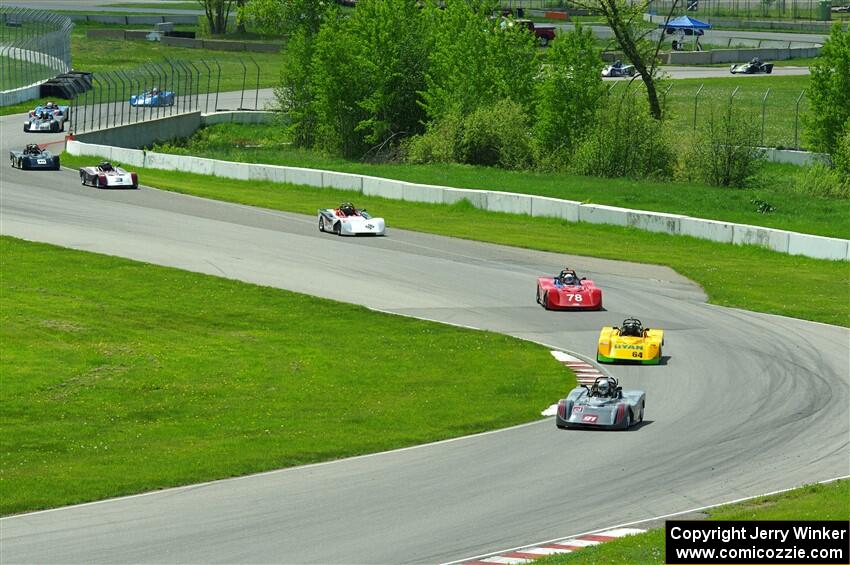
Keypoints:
(34, 157)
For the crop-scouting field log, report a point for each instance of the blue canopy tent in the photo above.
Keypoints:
(686, 25)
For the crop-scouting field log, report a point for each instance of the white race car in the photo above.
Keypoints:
(105, 175)
(348, 220)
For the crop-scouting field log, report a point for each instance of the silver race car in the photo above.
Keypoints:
(618, 69)
(605, 405)
(105, 175)
(755, 66)
(348, 220)
(44, 121)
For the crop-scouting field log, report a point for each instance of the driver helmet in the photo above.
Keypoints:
(106, 166)
(155, 90)
(31, 148)
(631, 327)
(347, 208)
(50, 104)
(604, 387)
(569, 278)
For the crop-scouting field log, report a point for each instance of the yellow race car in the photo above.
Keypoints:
(631, 343)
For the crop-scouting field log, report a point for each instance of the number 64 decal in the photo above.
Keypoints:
(574, 298)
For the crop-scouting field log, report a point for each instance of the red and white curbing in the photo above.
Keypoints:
(586, 374)
(567, 545)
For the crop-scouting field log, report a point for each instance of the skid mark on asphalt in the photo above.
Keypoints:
(567, 545)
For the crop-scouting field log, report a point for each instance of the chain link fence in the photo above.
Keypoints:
(157, 90)
(35, 46)
(778, 113)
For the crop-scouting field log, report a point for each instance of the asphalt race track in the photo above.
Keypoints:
(746, 403)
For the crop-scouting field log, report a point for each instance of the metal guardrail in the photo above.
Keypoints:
(35, 45)
(182, 87)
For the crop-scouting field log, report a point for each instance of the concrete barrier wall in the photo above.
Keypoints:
(740, 55)
(493, 201)
(237, 117)
(146, 133)
(123, 20)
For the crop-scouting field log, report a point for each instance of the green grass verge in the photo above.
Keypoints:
(121, 377)
(794, 212)
(813, 502)
(741, 276)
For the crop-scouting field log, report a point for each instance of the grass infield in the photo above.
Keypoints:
(740, 276)
(121, 377)
(813, 502)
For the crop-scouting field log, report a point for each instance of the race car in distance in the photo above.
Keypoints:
(631, 343)
(348, 220)
(61, 113)
(153, 97)
(753, 67)
(605, 405)
(105, 175)
(43, 122)
(568, 292)
(618, 69)
(34, 157)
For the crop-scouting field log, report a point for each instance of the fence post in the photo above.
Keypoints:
(257, 94)
(244, 77)
(217, 84)
(209, 77)
(763, 101)
(696, 99)
(197, 88)
(732, 97)
(797, 117)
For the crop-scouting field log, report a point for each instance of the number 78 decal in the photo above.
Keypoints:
(574, 298)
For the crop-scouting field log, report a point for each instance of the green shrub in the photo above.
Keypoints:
(438, 144)
(568, 95)
(823, 181)
(492, 135)
(725, 152)
(841, 155)
(496, 135)
(626, 142)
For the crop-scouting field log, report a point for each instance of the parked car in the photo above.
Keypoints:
(544, 33)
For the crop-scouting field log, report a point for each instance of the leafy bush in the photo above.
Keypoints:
(493, 135)
(823, 181)
(626, 142)
(438, 144)
(568, 96)
(841, 155)
(725, 152)
(496, 135)
(829, 92)
(476, 61)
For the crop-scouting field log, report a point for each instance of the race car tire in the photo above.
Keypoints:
(26, 128)
(337, 229)
(627, 419)
(83, 179)
(537, 296)
(546, 300)
(23, 165)
(56, 166)
(321, 224)
(769, 71)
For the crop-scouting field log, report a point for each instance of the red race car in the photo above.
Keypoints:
(568, 292)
